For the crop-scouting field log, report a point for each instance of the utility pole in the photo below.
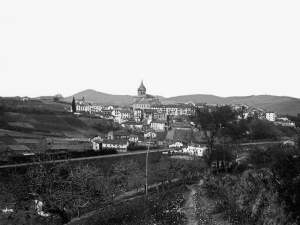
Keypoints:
(147, 155)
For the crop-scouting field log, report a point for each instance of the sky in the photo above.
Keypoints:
(224, 48)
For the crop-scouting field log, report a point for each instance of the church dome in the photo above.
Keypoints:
(142, 87)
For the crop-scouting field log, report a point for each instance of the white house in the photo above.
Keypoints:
(287, 123)
(133, 138)
(119, 145)
(121, 115)
(88, 108)
(196, 150)
(271, 116)
(97, 144)
(132, 125)
(158, 125)
(147, 134)
(176, 145)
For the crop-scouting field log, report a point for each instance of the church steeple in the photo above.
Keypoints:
(142, 90)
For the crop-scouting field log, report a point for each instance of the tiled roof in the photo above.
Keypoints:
(150, 110)
(71, 147)
(141, 100)
(161, 122)
(121, 132)
(182, 125)
(115, 141)
(132, 123)
(161, 135)
(124, 111)
(133, 135)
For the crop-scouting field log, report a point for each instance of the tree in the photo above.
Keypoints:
(127, 175)
(57, 97)
(73, 105)
(211, 122)
(261, 129)
(62, 188)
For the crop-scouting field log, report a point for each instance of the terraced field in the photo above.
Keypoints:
(42, 117)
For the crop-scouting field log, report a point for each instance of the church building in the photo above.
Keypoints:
(144, 100)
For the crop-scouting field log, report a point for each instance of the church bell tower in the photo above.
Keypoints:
(142, 90)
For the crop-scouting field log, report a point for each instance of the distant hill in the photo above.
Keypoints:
(280, 104)
(93, 96)
(102, 98)
(210, 99)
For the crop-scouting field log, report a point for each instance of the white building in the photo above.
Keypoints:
(271, 116)
(133, 138)
(120, 145)
(150, 134)
(158, 125)
(88, 108)
(196, 150)
(121, 115)
(132, 125)
(176, 145)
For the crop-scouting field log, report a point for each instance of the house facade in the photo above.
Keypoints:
(119, 145)
(271, 116)
(132, 125)
(196, 150)
(159, 125)
(120, 134)
(176, 145)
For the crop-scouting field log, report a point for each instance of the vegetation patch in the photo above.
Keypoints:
(20, 124)
(164, 208)
(265, 193)
(74, 122)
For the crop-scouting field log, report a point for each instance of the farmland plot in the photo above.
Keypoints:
(20, 124)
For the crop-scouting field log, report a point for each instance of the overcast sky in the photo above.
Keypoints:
(224, 48)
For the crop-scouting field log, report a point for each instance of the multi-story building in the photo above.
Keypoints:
(88, 108)
(271, 116)
(174, 110)
(121, 115)
(159, 125)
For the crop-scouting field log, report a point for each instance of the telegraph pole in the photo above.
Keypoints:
(147, 163)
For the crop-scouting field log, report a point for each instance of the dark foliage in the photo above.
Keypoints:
(73, 105)
(260, 129)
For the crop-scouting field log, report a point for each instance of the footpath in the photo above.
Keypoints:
(201, 210)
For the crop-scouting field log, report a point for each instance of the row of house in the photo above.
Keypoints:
(121, 139)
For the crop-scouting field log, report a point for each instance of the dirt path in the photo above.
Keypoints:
(200, 210)
(190, 204)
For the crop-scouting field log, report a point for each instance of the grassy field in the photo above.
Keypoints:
(45, 118)
(154, 157)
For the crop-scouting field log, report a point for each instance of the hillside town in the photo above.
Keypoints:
(168, 125)
(101, 150)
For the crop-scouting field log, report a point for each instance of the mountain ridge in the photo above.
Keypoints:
(280, 104)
